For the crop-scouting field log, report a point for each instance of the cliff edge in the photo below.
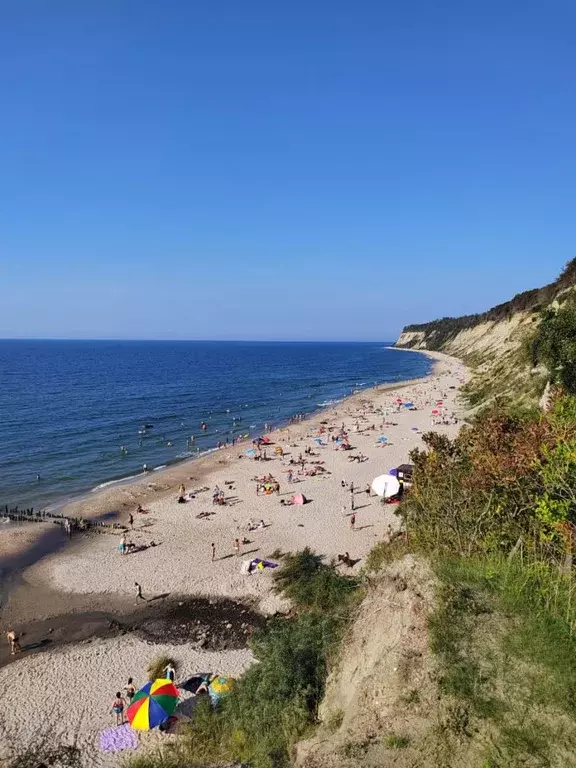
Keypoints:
(495, 343)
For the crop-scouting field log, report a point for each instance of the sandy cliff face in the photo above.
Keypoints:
(382, 687)
(494, 350)
(500, 336)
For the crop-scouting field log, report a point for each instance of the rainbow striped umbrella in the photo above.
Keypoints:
(152, 705)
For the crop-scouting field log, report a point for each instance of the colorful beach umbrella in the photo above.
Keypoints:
(152, 705)
(382, 439)
(435, 412)
(219, 687)
(408, 405)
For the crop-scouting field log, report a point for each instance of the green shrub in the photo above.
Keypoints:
(509, 476)
(554, 344)
(311, 584)
(397, 742)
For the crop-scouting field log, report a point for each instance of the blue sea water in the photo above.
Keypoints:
(67, 407)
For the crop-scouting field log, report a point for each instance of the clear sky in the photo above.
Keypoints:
(312, 169)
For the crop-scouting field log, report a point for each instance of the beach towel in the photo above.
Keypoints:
(118, 738)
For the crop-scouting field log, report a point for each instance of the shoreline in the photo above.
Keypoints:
(112, 502)
(73, 506)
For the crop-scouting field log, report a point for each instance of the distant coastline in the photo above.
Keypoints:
(95, 502)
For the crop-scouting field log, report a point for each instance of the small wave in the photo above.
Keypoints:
(162, 466)
(207, 451)
(328, 402)
(114, 482)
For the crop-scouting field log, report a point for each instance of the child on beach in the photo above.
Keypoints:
(213, 551)
(118, 708)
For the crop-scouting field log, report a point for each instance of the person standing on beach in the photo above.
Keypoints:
(13, 642)
(213, 551)
(237, 546)
(118, 708)
(131, 520)
(352, 498)
(139, 595)
(353, 522)
(130, 689)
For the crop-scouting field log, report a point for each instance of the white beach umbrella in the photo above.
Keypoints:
(385, 485)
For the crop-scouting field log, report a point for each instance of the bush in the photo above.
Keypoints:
(554, 344)
(311, 584)
(506, 478)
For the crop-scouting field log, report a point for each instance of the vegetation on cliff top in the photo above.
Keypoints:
(554, 344)
(534, 300)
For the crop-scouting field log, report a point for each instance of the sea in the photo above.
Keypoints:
(77, 416)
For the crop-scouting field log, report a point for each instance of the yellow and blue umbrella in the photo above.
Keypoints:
(152, 705)
(219, 687)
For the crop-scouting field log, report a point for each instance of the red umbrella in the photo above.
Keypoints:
(435, 412)
(399, 400)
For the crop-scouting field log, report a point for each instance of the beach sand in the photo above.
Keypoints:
(66, 696)
(180, 563)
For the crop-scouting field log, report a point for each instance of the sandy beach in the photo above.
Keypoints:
(173, 545)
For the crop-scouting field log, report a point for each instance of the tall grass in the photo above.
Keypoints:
(504, 634)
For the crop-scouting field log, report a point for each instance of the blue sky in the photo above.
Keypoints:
(261, 170)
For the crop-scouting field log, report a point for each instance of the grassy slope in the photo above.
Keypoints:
(493, 685)
(507, 661)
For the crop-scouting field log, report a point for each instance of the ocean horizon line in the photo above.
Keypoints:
(199, 341)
